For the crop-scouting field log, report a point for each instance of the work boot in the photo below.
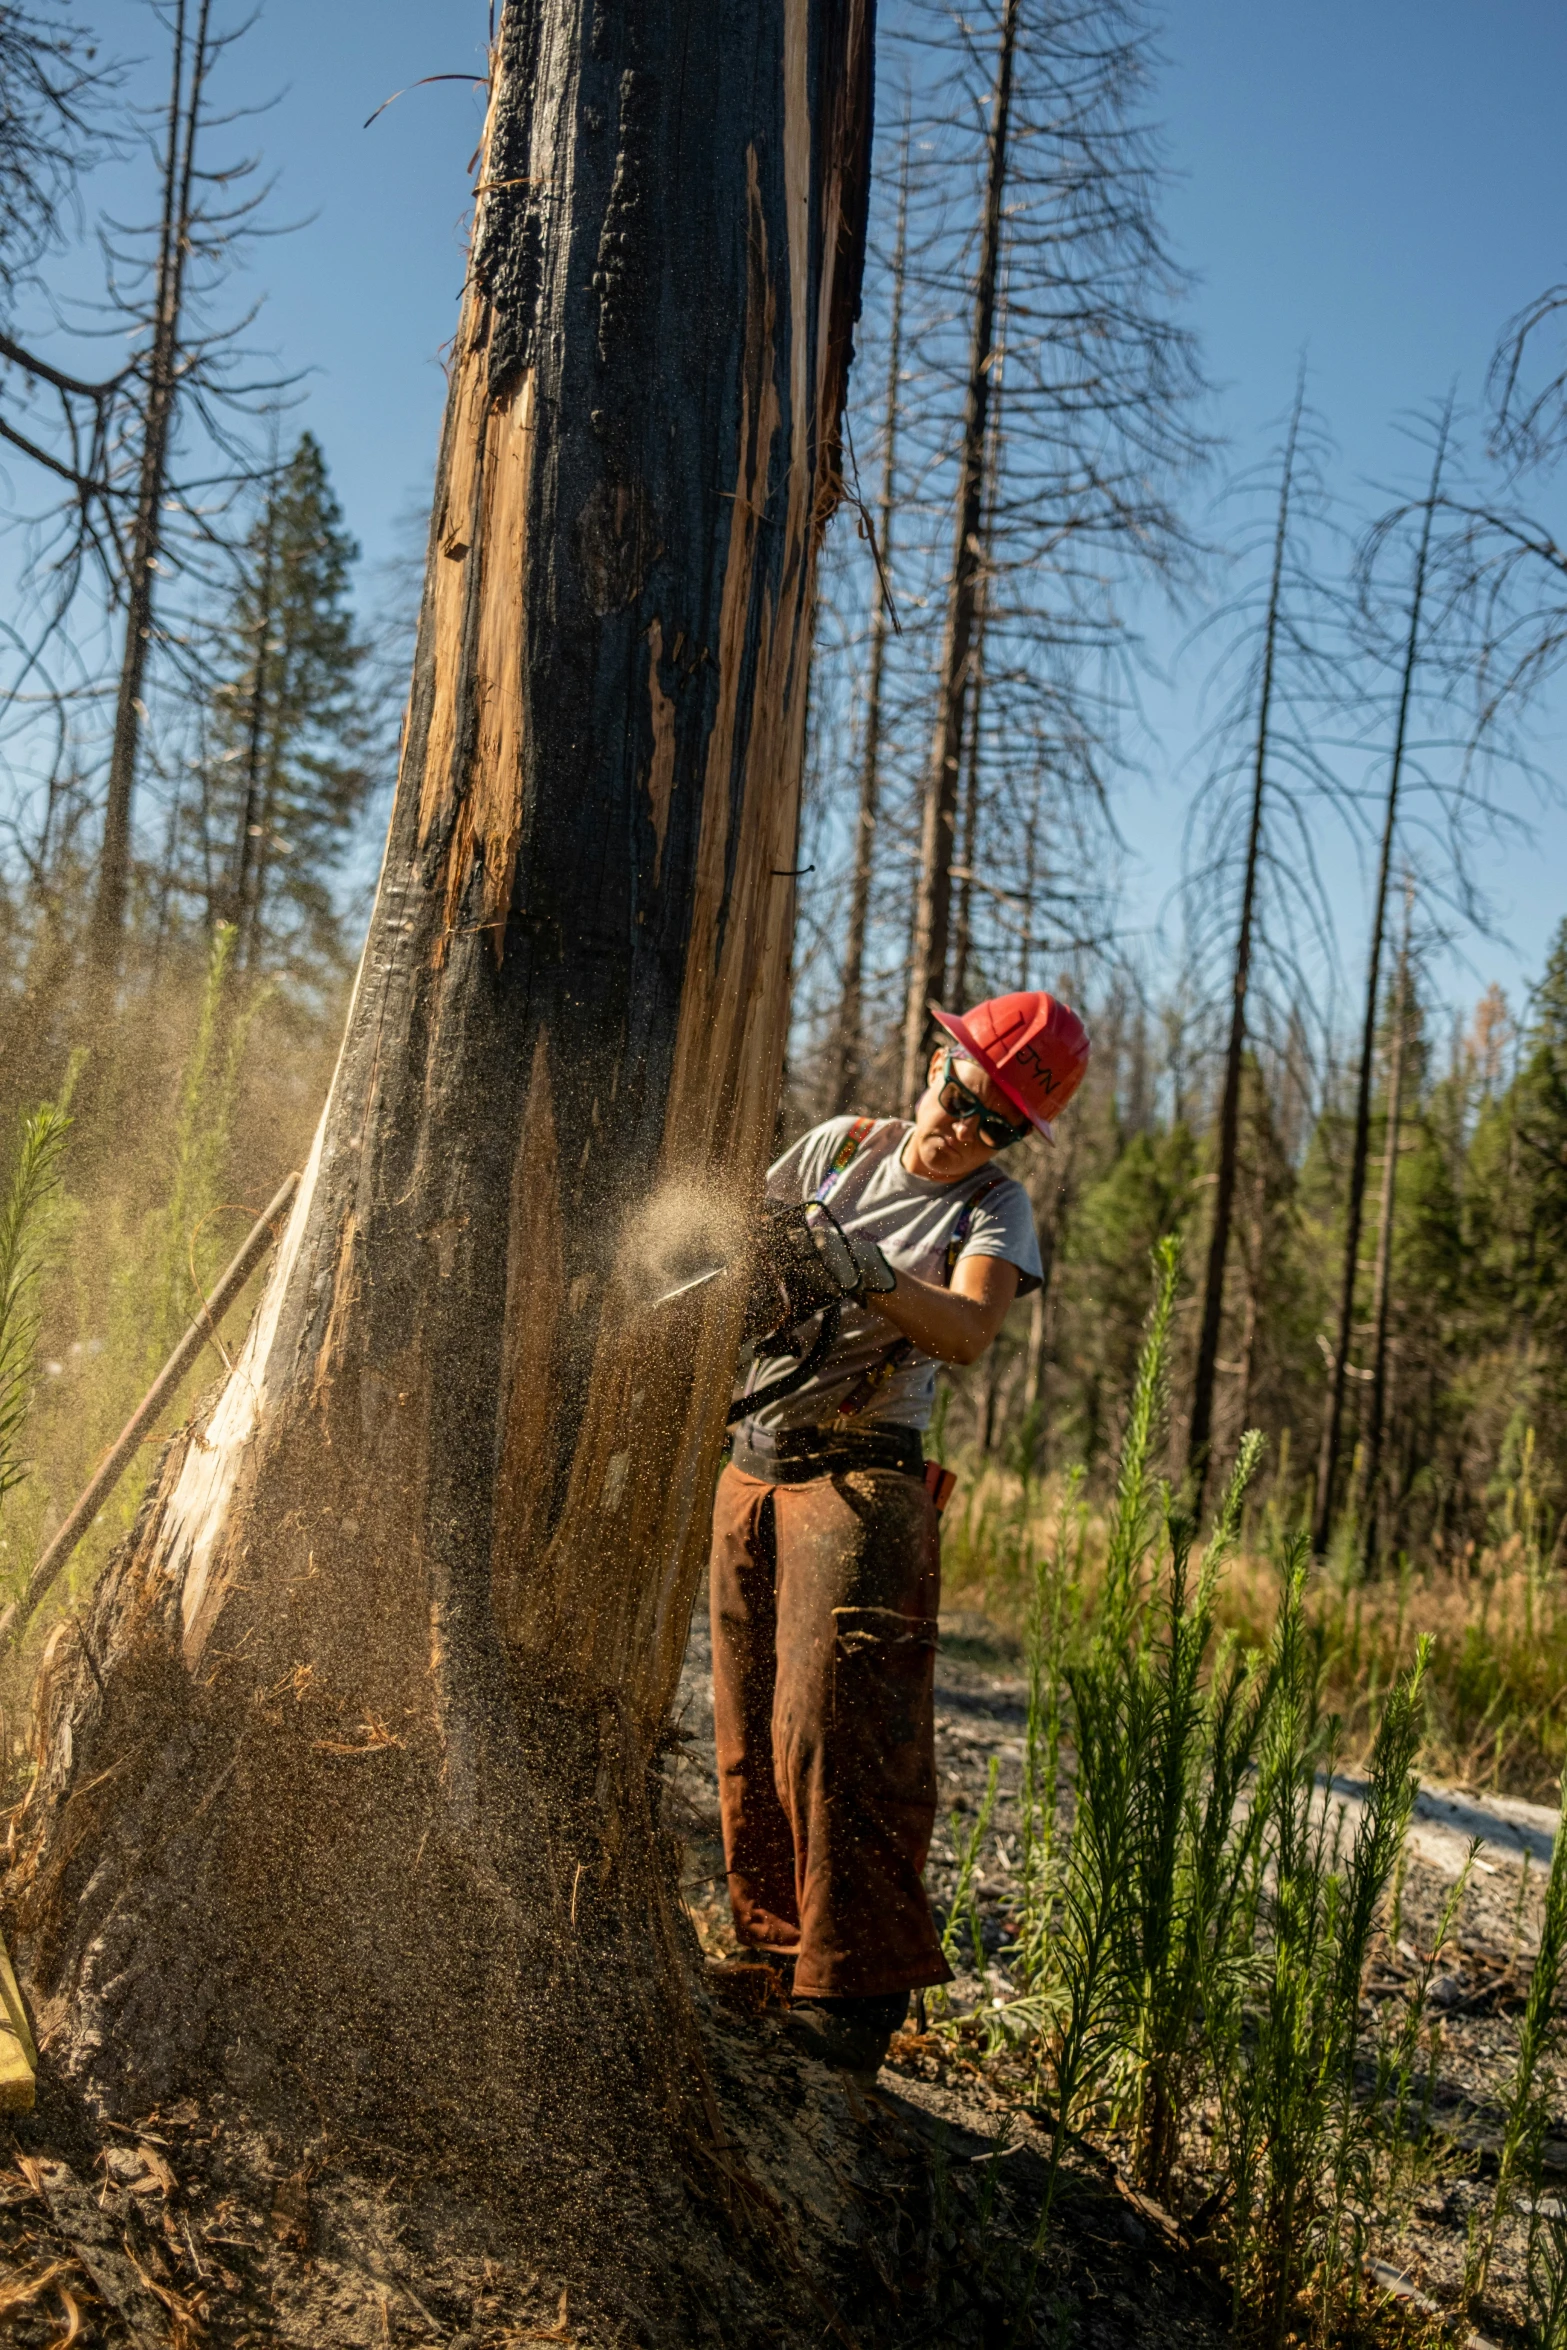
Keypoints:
(852, 2035)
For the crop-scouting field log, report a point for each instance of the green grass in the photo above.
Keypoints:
(1194, 1928)
(134, 1219)
(1494, 1628)
(24, 1217)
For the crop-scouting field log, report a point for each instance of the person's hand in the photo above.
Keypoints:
(876, 1276)
(851, 1259)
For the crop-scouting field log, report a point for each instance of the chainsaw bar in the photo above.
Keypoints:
(697, 1281)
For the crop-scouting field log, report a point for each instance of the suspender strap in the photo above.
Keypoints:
(872, 1380)
(844, 1155)
(957, 1239)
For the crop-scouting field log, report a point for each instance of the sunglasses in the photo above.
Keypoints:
(959, 1103)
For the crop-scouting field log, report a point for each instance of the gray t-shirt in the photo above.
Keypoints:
(911, 1220)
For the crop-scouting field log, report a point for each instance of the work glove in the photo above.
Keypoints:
(804, 1262)
(855, 1263)
(876, 1277)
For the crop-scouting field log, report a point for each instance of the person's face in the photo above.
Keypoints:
(950, 1145)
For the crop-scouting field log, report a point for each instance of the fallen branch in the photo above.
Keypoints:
(15, 1618)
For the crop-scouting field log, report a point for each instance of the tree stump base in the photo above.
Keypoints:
(815, 2214)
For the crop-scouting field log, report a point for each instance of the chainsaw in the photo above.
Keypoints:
(803, 1268)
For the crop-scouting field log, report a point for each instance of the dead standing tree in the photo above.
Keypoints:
(849, 1037)
(933, 906)
(192, 58)
(1200, 1426)
(1368, 1499)
(347, 1780)
(156, 456)
(1036, 113)
(1360, 1154)
(1294, 674)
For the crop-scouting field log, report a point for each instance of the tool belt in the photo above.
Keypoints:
(791, 1456)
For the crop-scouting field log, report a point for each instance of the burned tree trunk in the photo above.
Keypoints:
(1360, 1154)
(933, 903)
(1368, 1497)
(849, 1031)
(195, 51)
(246, 846)
(1199, 1435)
(344, 1786)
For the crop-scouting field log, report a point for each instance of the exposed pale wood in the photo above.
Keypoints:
(457, 1487)
(18, 2051)
(489, 823)
(453, 531)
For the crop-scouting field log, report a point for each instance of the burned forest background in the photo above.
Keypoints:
(201, 695)
(1279, 1077)
(1261, 1500)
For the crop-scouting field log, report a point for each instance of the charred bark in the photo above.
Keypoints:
(933, 904)
(1199, 1437)
(344, 1788)
(1360, 1154)
(1369, 1495)
(849, 1039)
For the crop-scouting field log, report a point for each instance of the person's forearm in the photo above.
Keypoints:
(941, 1322)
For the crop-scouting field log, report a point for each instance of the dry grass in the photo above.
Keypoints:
(184, 1115)
(1496, 1682)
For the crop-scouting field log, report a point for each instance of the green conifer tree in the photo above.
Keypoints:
(1146, 1192)
(1540, 1119)
(287, 775)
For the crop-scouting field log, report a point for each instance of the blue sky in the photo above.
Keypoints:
(1378, 183)
(364, 294)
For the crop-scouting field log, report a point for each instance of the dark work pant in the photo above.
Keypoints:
(824, 1599)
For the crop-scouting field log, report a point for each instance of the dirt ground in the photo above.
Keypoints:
(1477, 1989)
(899, 2218)
(893, 2220)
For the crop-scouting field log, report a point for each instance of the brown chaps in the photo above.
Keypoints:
(824, 1597)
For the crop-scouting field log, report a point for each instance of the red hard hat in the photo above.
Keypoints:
(1030, 1045)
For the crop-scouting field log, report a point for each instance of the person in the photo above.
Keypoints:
(825, 1567)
